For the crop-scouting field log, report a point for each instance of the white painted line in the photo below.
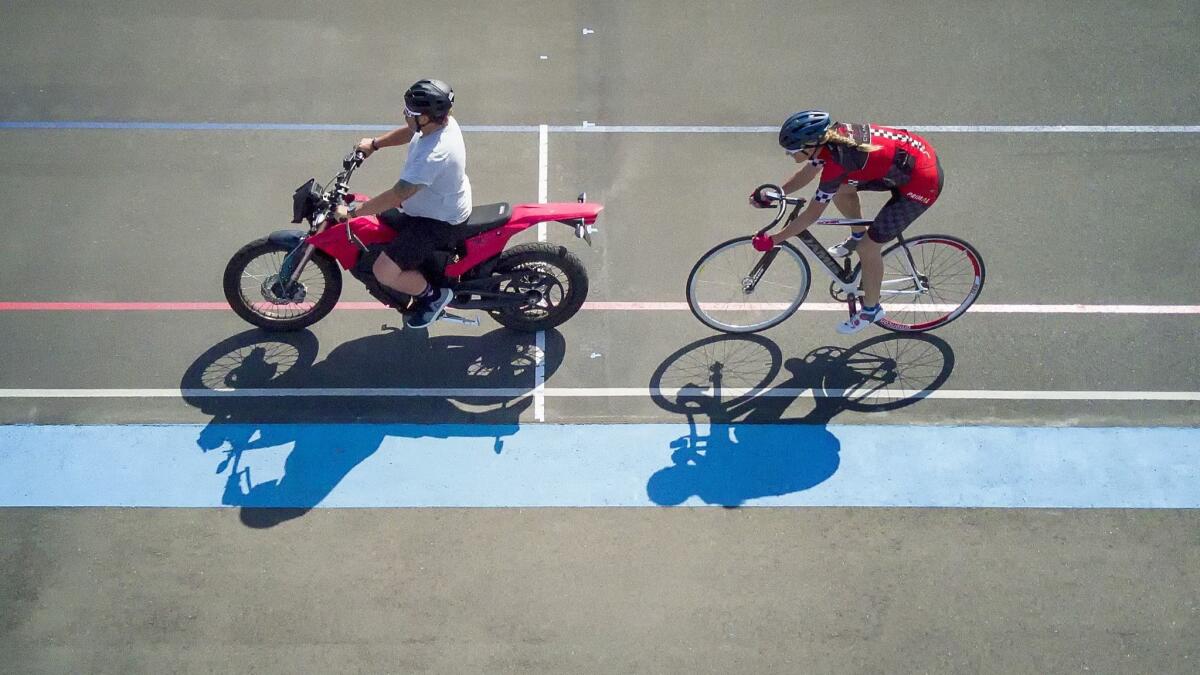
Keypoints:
(1057, 129)
(659, 129)
(588, 127)
(978, 308)
(539, 371)
(320, 392)
(937, 128)
(539, 377)
(605, 392)
(894, 394)
(543, 173)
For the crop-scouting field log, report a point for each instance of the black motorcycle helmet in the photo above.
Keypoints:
(430, 97)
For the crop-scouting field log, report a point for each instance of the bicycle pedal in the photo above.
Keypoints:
(454, 318)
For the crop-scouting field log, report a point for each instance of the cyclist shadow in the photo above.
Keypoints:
(751, 450)
(326, 435)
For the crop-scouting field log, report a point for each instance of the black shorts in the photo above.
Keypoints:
(900, 211)
(896, 215)
(416, 238)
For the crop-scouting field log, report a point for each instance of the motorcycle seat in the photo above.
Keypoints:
(484, 218)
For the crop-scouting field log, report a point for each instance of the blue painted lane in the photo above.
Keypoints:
(307, 466)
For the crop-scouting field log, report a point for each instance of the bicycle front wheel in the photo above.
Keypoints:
(929, 281)
(728, 289)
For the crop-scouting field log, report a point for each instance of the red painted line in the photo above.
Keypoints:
(144, 306)
(109, 306)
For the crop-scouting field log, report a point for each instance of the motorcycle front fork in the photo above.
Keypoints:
(294, 263)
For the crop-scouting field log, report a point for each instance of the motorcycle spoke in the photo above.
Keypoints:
(263, 270)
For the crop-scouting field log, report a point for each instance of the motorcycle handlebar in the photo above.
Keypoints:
(353, 160)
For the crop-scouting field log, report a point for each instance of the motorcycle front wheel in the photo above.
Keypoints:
(257, 294)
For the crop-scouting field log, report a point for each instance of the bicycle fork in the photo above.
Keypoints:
(750, 281)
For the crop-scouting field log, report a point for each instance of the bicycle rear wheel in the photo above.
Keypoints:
(717, 286)
(930, 284)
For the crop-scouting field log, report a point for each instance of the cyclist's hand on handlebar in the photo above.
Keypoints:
(763, 242)
(758, 203)
(366, 146)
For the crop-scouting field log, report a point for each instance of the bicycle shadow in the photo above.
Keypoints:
(751, 450)
(324, 448)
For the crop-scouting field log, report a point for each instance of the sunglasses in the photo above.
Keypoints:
(807, 149)
(409, 113)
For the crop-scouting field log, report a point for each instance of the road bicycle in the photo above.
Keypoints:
(928, 280)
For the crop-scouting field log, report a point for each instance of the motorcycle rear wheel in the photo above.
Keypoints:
(251, 288)
(553, 274)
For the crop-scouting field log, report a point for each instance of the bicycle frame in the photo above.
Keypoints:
(844, 277)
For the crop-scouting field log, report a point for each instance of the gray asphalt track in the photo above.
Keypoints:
(153, 215)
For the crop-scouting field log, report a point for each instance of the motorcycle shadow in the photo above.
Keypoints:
(253, 386)
(750, 449)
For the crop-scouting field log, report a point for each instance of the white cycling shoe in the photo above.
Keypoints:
(860, 321)
(845, 248)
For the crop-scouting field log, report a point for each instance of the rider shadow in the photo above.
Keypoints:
(751, 450)
(326, 434)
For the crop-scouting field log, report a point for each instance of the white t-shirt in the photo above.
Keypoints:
(439, 162)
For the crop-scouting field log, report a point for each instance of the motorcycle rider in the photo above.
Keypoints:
(424, 207)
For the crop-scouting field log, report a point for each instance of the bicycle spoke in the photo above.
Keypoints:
(950, 281)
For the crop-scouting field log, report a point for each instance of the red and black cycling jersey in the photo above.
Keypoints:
(903, 158)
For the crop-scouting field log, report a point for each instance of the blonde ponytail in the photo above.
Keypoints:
(836, 137)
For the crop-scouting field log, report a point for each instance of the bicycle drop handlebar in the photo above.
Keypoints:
(767, 193)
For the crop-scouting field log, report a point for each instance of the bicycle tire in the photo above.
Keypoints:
(703, 310)
(973, 276)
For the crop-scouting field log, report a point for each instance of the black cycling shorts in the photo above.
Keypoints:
(899, 212)
(896, 215)
(416, 238)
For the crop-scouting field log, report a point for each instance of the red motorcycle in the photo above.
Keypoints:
(290, 280)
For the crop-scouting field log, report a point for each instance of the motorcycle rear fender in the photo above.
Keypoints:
(489, 244)
(557, 211)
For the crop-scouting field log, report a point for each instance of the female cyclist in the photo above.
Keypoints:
(850, 158)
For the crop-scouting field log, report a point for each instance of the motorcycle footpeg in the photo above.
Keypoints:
(454, 318)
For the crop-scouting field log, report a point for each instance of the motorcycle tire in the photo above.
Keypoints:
(552, 271)
(250, 302)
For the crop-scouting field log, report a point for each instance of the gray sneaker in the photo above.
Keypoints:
(432, 309)
(845, 248)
